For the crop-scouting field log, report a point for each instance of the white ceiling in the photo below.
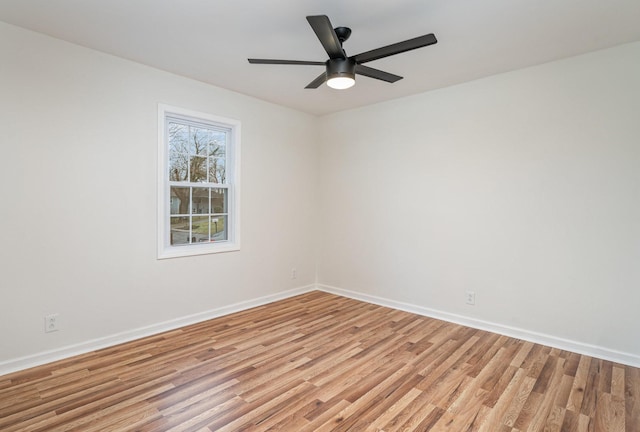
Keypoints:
(211, 40)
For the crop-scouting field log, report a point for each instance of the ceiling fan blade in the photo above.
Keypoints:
(395, 48)
(285, 62)
(377, 74)
(318, 81)
(328, 38)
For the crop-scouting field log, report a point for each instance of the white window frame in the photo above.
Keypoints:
(165, 249)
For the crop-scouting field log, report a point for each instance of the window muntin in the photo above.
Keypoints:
(199, 206)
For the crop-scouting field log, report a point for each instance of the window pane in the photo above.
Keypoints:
(218, 145)
(219, 228)
(200, 139)
(179, 200)
(178, 165)
(219, 201)
(178, 138)
(200, 229)
(217, 170)
(178, 151)
(200, 203)
(198, 169)
(179, 230)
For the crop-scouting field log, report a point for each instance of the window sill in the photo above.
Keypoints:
(193, 250)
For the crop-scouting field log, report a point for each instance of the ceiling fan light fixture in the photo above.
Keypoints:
(341, 73)
(341, 82)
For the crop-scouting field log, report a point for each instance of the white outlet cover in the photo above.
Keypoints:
(470, 297)
(51, 323)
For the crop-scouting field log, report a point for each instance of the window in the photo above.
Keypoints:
(198, 174)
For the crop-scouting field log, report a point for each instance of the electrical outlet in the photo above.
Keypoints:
(470, 297)
(51, 322)
(294, 273)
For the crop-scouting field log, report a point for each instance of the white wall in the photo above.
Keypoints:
(523, 187)
(78, 140)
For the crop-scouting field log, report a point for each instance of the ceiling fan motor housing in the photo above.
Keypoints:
(339, 68)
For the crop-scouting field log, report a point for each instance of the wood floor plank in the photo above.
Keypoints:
(579, 383)
(632, 398)
(545, 408)
(518, 402)
(499, 415)
(320, 362)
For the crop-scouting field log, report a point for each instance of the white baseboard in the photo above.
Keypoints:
(44, 357)
(518, 333)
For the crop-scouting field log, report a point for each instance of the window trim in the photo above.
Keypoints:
(165, 249)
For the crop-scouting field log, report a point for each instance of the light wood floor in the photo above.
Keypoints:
(318, 362)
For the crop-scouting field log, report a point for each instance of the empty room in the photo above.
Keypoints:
(320, 216)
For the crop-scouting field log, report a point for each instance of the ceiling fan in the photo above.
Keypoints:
(341, 70)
